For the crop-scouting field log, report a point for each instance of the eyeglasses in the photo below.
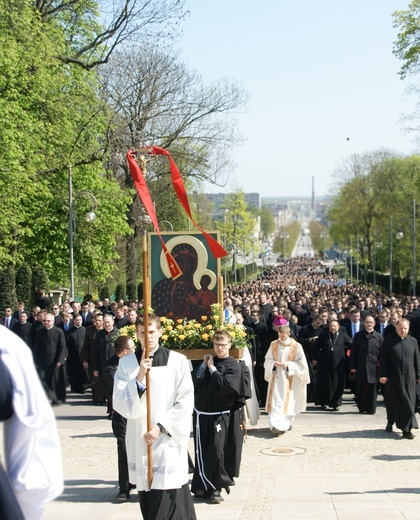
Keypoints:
(221, 345)
(55, 308)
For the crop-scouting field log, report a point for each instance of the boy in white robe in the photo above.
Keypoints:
(172, 400)
(286, 370)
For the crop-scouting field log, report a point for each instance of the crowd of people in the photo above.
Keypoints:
(310, 337)
(348, 333)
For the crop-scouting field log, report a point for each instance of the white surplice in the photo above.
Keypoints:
(286, 395)
(172, 401)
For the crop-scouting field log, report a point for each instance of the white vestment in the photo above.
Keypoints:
(32, 446)
(252, 407)
(286, 395)
(172, 401)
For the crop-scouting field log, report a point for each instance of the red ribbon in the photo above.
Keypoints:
(144, 194)
(217, 249)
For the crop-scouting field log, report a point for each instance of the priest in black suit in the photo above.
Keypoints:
(75, 342)
(49, 355)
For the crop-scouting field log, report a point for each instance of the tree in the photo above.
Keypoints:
(158, 101)
(407, 47)
(267, 222)
(52, 116)
(23, 283)
(238, 225)
(120, 292)
(93, 30)
(358, 208)
(8, 290)
(39, 281)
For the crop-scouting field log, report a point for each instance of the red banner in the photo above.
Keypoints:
(144, 194)
(217, 249)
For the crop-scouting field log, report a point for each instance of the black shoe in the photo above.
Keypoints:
(335, 408)
(408, 435)
(202, 494)
(122, 497)
(388, 428)
(216, 498)
(131, 486)
(110, 416)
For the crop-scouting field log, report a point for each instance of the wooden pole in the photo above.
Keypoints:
(146, 302)
(221, 289)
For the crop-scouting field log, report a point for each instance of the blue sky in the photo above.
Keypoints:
(318, 71)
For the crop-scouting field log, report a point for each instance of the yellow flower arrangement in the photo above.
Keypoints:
(130, 330)
(191, 334)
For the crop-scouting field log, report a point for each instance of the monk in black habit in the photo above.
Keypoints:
(364, 360)
(399, 371)
(221, 387)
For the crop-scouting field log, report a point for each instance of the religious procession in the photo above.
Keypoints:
(203, 368)
(174, 346)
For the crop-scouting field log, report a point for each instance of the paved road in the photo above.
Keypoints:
(332, 465)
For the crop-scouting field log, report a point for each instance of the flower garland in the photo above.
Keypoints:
(193, 334)
(130, 330)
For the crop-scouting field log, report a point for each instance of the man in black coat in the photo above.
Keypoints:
(23, 328)
(399, 371)
(86, 315)
(75, 342)
(49, 355)
(364, 360)
(307, 338)
(261, 334)
(329, 355)
(104, 349)
(8, 321)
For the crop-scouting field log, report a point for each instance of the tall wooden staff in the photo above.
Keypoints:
(146, 301)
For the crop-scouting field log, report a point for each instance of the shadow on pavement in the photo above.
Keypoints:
(359, 434)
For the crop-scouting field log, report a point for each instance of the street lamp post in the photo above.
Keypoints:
(284, 236)
(90, 217)
(399, 235)
(324, 235)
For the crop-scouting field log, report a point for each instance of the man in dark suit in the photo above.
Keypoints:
(8, 321)
(383, 321)
(86, 315)
(49, 355)
(55, 310)
(21, 308)
(120, 317)
(391, 327)
(265, 307)
(75, 342)
(355, 325)
(23, 327)
(65, 324)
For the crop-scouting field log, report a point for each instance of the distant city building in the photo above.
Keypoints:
(280, 209)
(219, 201)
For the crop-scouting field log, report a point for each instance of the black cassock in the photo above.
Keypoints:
(365, 351)
(400, 363)
(330, 352)
(218, 397)
(75, 370)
